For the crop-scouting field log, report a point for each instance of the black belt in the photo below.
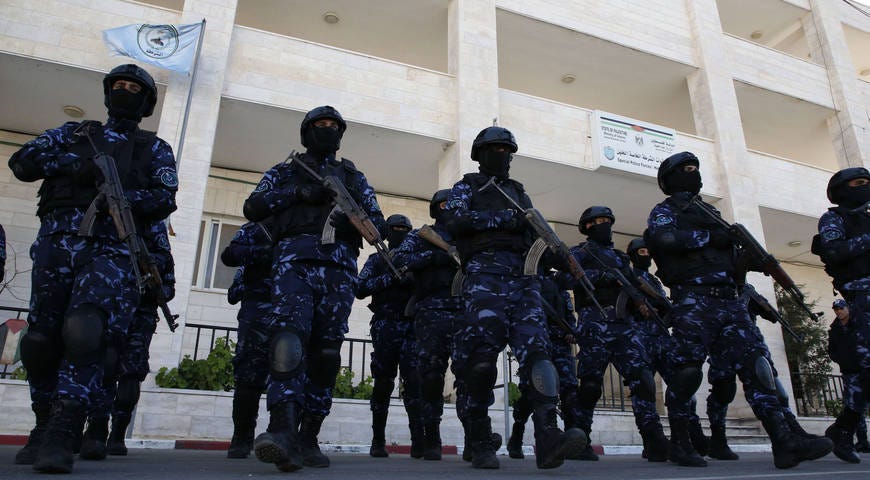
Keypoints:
(723, 292)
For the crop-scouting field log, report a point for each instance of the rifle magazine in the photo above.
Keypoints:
(533, 257)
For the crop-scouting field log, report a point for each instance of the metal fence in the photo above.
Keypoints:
(817, 395)
(8, 313)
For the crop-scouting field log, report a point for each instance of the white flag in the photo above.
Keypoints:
(167, 46)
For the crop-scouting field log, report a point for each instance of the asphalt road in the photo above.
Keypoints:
(212, 465)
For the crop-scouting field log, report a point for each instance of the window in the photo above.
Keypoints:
(215, 234)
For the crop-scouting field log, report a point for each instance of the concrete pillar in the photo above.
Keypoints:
(850, 127)
(196, 156)
(717, 116)
(473, 59)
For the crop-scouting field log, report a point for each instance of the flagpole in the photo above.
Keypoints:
(189, 97)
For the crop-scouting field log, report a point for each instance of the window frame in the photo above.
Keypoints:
(209, 244)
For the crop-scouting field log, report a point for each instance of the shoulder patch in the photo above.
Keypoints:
(661, 220)
(263, 186)
(168, 177)
(831, 234)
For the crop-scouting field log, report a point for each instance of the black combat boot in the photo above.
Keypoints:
(719, 448)
(482, 449)
(655, 443)
(466, 446)
(515, 443)
(64, 427)
(115, 444)
(862, 445)
(551, 444)
(790, 449)
(587, 454)
(311, 454)
(94, 439)
(415, 425)
(841, 433)
(699, 440)
(27, 454)
(246, 405)
(681, 450)
(379, 441)
(432, 441)
(796, 427)
(280, 443)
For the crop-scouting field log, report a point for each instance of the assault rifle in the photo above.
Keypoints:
(427, 233)
(773, 315)
(547, 240)
(111, 195)
(559, 319)
(638, 298)
(344, 203)
(758, 257)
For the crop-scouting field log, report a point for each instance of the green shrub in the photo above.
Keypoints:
(212, 373)
(344, 387)
(513, 393)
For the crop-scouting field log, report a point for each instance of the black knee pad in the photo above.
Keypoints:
(382, 390)
(433, 387)
(285, 355)
(781, 393)
(724, 390)
(589, 392)
(543, 378)
(40, 355)
(128, 394)
(324, 363)
(480, 376)
(84, 335)
(686, 382)
(762, 373)
(646, 386)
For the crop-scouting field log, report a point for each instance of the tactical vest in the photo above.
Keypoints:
(132, 161)
(303, 218)
(606, 288)
(492, 199)
(856, 224)
(675, 268)
(433, 279)
(551, 294)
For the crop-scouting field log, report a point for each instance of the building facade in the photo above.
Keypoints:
(772, 95)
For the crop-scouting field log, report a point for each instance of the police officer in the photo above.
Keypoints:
(83, 288)
(313, 290)
(251, 251)
(437, 316)
(844, 232)
(696, 260)
(605, 338)
(503, 306)
(561, 327)
(659, 346)
(843, 349)
(394, 343)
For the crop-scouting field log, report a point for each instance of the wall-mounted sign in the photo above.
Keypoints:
(630, 145)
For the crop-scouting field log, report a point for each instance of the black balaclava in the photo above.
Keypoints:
(854, 197)
(642, 262)
(323, 141)
(496, 164)
(126, 105)
(682, 181)
(395, 237)
(601, 233)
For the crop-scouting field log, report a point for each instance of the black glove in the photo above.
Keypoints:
(517, 221)
(313, 194)
(440, 257)
(86, 172)
(340, 221)
(720, 239)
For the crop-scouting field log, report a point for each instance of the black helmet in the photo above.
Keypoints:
(435, 203)
(672, 163)
(592, 213)
(493, 135)
(324, 111)
(841, 178)
(398, 220)
(136, 74)
(635, 245)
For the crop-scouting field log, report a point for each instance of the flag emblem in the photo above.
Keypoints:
(158, 41)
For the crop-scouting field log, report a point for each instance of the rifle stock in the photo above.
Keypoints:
(777, 317)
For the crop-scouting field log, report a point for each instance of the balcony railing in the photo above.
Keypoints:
(817, 395)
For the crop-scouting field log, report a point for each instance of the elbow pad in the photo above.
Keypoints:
(25, 169)
(255, 209)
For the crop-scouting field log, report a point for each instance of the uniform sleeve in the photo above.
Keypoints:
(244, 249)
(833, 351)
(157, 201)
(835, 247)
(272, 194)
(666, 235)
(413, 253)
(368, 201)
(45, 156)
(462, 220)
(373, 278)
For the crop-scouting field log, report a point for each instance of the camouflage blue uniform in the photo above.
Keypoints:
(708, 317)
(251, 250)
(437, 315)
(313, 282)
(394, 343)
(607, 339)
(70, 271)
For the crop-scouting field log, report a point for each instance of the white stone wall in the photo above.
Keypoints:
(18, 217)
